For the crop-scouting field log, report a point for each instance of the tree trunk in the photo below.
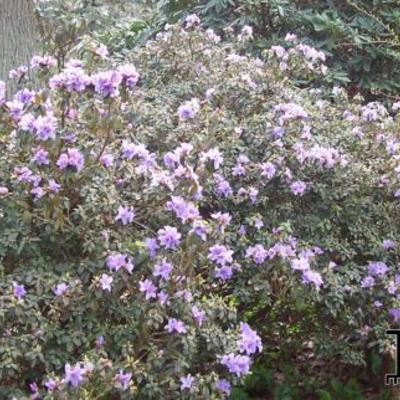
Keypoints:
(18, 35)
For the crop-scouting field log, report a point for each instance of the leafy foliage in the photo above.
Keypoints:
(360, 37)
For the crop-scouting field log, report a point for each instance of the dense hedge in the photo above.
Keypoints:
(155, 218)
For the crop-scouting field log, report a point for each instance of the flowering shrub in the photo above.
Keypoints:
(166, 220)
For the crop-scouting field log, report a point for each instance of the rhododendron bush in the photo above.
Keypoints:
(167, 220)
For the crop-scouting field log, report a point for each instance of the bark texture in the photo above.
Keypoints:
(18, 35)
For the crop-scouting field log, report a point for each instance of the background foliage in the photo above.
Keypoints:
(361, 38)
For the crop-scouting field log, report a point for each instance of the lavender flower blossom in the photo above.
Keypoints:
(106, 281)
(312, 277)
(151, 246)
(60, 289)
(198, 315)
(220, 254)
(237, 364)
(186, 382)
(18, 290)
(189, 109)
(125, 215)
(123, 379)
(72, 158)
(257, 253)
(298, 188)
(148, 288)
(107, 83)
(377, 268)
(40, 157)
(74, 375)
(249, 342)
(169, 237)
(223, 386)
(175, 325)
(163, 269)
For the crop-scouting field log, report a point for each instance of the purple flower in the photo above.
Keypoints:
(300, 264)
(15, 108)
(184, 210)
(184, 294)
(388, 244)
(222, 186)
(106, 160)
(43, 62)
(188, 109)
(238, 170)
(291, 111)
(18, 290)
(53, 186)
(123, 379)
(27, 123)
(163, 269)
(368, 282)
(224, 273)
(60, 289)
(169, 237)
(25, 96)
(200, 228)
(377, 304)
(72, 78)
(19, 72)
(40, 157)
(220, 254)
(198, 315)
(258, 223)
(151, 246)
(33, 387)
(106, 83)
(50, 385)
(223, 219)
(377, 268)
(125, 215)
(130, 150)
(23, 174)
(395, 313)
(129, 75)
(392, 287)
(148, 288)
(162, 297)
(192, 19)
(74, 375)
(175, 325)
(268, 169)
(186, 382)
(99, 341)
(298, 188)
(101, 51)
(223, 386)
(72, 158)
(45, 127)
(312, 277)
(37, 192)
(236, 364)
(257, 253)
(106, 281)
(249, 342)
(214, 155)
